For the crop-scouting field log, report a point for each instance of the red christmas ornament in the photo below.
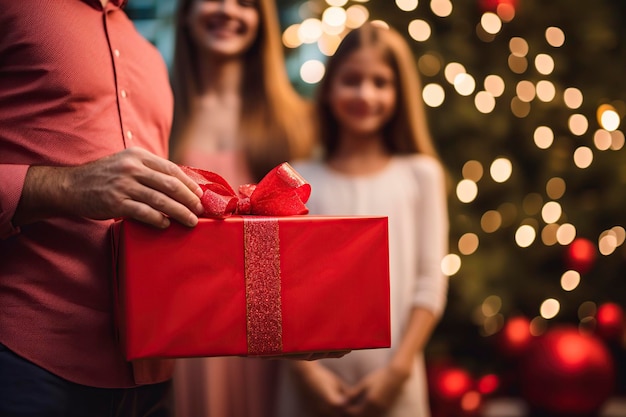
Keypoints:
(515, 336)
(449, 384)
(492, 5)
(488, 384)
(567, 373)
(451, 392)
(610, 321)
(580, 255)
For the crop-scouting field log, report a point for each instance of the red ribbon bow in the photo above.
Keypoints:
(282, 192)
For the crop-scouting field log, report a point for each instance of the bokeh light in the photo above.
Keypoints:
(468, 243)
(570, 280)
(450, 264)
(406, 5)
(491, 23)
(433, 95)
(543, 136)
(472, 170)
(566, 234)
(549, 308)
(466, 191)
(573, 97)
(441, 8)
(419, 30)
(578, 124)
(485, 102)
(312, 71)
(555, 36)
(525, 235)
(356, 15)
(555, 188)
(494, 84)
(501, 169)
(608, 117)
(491, 221)
(551, 212)
(544, 64)
(546, 91)
(583, 157)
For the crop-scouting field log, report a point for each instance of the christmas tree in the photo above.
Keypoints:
(525, 102)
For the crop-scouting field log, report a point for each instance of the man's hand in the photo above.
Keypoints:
(133, 183)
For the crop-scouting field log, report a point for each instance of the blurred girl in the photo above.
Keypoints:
(379, 160)
(236, 114)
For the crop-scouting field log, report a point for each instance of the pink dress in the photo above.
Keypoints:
(224, 386)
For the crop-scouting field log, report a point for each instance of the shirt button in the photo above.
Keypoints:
(116, 52)
(123, 94)
(129, 134)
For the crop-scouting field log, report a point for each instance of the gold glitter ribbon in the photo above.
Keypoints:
(262, 275)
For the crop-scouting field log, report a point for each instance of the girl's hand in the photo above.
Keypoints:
(375, 393)
(323, 391)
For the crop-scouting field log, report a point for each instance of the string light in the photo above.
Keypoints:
(555, 36)
(549, 308)
(551, 212)
(468, 243)
(501, 169)
(491, 221)
(494, 84)
(570, 280)
(525, 236)
(608, 117)
(312, 71)
(407, 5)
(578, 124)
(337, 17)
(546, 91)
(419, 30)
(491, 23)
(466, 191)
(583, 157)
(450, 264)
(485, 102)
(543, 136)
(573, 97)
(433, 95)
(555, 188)
(472, 170)
(441, 8)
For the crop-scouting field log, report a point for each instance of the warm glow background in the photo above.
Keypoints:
(526, 100)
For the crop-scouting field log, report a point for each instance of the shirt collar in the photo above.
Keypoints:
(96, 3)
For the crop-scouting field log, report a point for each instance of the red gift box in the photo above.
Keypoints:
(252, 286)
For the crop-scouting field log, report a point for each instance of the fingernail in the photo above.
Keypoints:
(193, 220)
(199, 192)
(199, 208)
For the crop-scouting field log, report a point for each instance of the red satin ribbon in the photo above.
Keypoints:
(282, 192)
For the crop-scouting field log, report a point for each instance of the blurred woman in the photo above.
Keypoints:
(236, 114)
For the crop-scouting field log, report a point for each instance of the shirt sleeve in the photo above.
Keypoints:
(11, 186)
(431, 287)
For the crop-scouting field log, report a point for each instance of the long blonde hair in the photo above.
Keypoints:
(407, 131)
(274, 123)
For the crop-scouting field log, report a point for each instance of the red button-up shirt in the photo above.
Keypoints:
(77, 83)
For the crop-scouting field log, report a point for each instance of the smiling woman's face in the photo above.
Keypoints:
(225, 28)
